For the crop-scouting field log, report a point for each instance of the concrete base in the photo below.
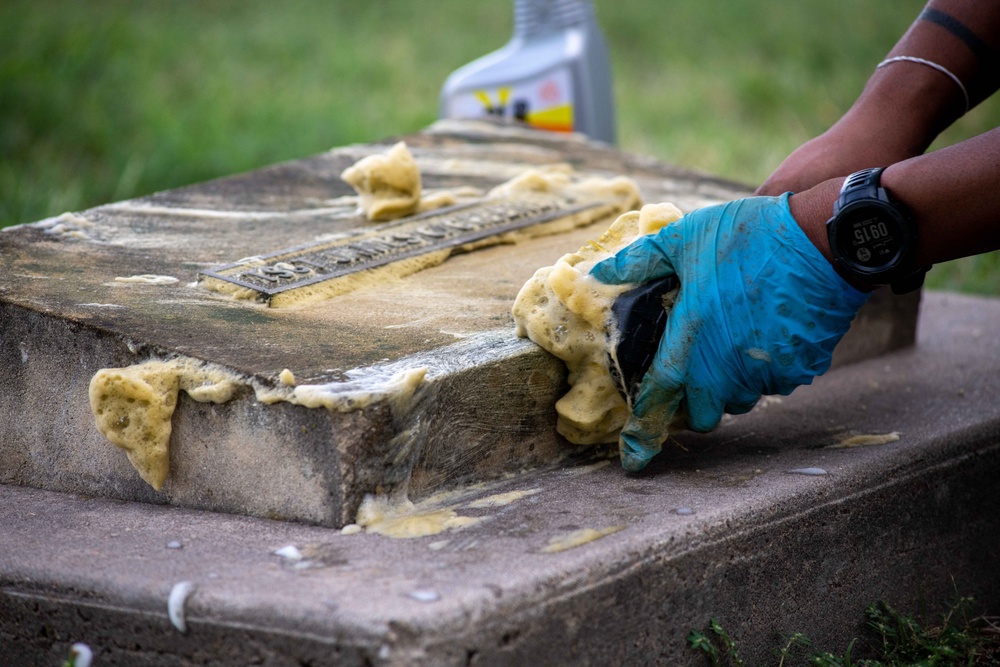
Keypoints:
(767, 551)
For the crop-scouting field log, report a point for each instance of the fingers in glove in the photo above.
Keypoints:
(643, 435)
(704, 409)
(646, 258)
(655, 409)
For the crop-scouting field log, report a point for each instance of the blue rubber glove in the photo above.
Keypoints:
(759, 311)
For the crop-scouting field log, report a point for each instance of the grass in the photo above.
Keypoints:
(111, 99)
(896, 640)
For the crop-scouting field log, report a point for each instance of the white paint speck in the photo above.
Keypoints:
(174, 544)
(684, 511)
(808, 471)
(80, 655)
(179, 594)
(287, 378)
(148, 279)
(291, 552)
(768, 401)
(424, 595)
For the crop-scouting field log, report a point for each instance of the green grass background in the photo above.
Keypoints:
(109, 99)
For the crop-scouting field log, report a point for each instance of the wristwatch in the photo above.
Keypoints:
(872, 236)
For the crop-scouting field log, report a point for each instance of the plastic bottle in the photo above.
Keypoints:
(553, 74)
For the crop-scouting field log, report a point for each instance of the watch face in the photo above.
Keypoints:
(870, 238)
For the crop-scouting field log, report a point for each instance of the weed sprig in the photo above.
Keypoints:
(899, 640)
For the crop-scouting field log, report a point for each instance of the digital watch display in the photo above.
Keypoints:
(871, 236)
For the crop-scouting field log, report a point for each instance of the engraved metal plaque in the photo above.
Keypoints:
(452, 229)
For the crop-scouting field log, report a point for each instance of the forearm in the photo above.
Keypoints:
(927, 100)
(953, 195)
(962, 36)
(904, 105)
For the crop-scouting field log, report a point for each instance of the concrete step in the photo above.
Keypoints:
(720, 526)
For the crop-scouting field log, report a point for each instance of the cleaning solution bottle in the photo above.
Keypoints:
(553, 74)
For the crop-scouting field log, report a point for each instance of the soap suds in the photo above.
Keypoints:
(388, 184)
(589, 468)
(501, 499)
(320, 291)
(133, 407)
(438, 199)
(549, 187)
(565, 310)
(148, 279)
(140, 207)
(866, 440)
(67, 225)
(767, 402)
(403, 519)
(577, 538)
(394, 515)
(350, 396)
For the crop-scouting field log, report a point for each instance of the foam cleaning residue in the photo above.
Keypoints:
(865, 440)
(398, 517)
(578, 538)
(394, 515)
(133, 406)
(388, 186)
(565, 310)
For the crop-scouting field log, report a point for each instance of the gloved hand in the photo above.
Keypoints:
(759, 311)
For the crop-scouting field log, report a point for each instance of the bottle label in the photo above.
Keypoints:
(545, 102)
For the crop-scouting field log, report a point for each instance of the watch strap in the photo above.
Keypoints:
(910, 283)
(862, 184)
(866, 184)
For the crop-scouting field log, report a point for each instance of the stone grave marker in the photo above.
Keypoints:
(314, 389)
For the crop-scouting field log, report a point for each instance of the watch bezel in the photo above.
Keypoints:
(863, 189)
(884, 272)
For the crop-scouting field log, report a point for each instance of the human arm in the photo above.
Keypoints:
(759, 311)
(952, 195)
(904, 105)
(739, 311)
(761, 306)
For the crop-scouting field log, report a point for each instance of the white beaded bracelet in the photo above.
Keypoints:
(929, 63)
